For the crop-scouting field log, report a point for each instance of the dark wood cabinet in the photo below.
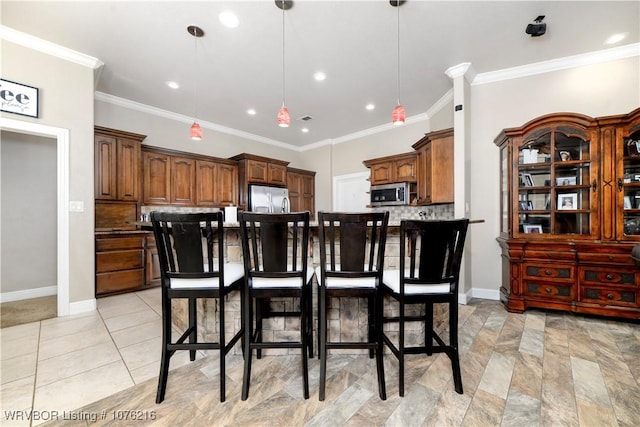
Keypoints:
(393, 169)
(435, 167)
(156, 178)
(226, 184)
(176, 178)
(260, 170)
(301, 186)
(183, 181)
(569, 219)
(120, 262)
(117, 164)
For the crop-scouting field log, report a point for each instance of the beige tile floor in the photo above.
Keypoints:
(535, 369)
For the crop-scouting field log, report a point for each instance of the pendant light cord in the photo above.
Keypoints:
(195, 72)
(398, 40)
(283, 68)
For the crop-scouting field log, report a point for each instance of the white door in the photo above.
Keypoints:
(351, 192)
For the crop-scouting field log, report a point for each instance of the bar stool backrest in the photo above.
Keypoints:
(433, 250)
(190, 245)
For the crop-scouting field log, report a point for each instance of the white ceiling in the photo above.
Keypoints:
(145, 44)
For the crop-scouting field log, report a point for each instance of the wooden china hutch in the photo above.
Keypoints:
(570, 214)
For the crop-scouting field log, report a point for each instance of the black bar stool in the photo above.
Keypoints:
(434, 252)
(275, 251)
(351, 264)
(191, 254)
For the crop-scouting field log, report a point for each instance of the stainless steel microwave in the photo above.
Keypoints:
(390, 194)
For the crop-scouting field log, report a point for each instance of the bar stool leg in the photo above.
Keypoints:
(248, 332)
(380, 347)
(193, 325)
(322, 351)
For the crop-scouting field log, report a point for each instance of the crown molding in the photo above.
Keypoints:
(591, 58)
(132, 105)
(35, 43)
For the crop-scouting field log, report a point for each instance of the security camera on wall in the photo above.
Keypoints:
(537, 28)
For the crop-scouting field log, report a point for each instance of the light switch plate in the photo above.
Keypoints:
(76, 206)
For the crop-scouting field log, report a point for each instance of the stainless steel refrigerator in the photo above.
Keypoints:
(267, 199)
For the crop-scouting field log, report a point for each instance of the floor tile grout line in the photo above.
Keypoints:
(35, 375)
(116, 346)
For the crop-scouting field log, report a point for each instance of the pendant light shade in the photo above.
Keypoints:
(195, 132)
(283, 117)
(398, 115)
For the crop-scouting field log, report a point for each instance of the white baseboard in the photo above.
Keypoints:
(82, 306)
(44, 291)
(490, 294)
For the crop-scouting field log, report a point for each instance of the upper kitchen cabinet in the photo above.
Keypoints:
(435, 167)
(216, 183)
(393, 169)
(260, 170)
(156, 178)
(301, 186)
(117, 164)
(177, 178)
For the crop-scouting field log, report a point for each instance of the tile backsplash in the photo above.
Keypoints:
(396, 213)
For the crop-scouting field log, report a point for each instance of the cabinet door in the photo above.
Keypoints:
(183, 181)
(382, 173)
(308, 202)
(105, 168)
(128, 170)
(441, 167)
(425, 182)
(226, 185)
(626, 200)
(152, 262)
(206, 183)
(157, 179)
(257, 171)
(294, 185)
(406, 170)
(277, 174)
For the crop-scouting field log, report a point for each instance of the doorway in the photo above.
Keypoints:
(60, 137)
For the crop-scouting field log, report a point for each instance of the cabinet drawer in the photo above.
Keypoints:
(607, 276)
(558, 256)
(119, 260)
(119, 243)
(622, 259)
(549, 289)
(550, 272)
(608, 296)
(119, 281)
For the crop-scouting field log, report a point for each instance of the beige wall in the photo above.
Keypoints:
(66, 101)
(596, 90)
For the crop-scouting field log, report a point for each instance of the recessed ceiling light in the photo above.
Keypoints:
(615, 38)
(319, 76)
(229, 19)
(370, 107)
(304, 130)
(251, 112)
(173, 85)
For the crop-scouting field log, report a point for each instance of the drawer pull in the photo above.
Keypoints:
(610, 257)
(548, 290)
(609, 276)
(610, 296)
(548, 255)
(547, 272)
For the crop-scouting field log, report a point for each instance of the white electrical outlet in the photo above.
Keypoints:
(76, 206)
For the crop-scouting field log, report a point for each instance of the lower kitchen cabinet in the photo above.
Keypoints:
(152, 262)
(120, 262)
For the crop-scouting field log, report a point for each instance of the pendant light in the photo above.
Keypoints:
(283, 118)
(196, 131)
(398, 115)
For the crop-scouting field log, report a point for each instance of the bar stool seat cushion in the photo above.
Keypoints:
(279, 282)
(232, 272)
(391, 279)
(346, 282)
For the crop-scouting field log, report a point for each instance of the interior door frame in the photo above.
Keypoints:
(61, 135)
